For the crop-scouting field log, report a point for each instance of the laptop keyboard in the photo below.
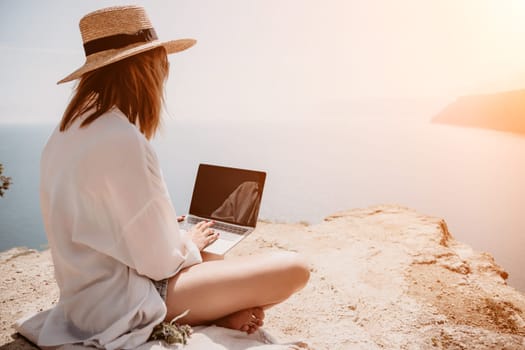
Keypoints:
(221, 226)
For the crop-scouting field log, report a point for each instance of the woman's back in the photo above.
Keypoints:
(94, 180)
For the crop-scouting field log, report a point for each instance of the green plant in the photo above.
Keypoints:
(5, 181)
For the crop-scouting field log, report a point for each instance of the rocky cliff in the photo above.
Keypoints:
(384, 277)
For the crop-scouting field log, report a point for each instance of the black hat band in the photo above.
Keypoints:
(118, 41)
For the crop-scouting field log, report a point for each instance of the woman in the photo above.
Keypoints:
(121, 262)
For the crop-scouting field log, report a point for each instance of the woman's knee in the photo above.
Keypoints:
(295, 269)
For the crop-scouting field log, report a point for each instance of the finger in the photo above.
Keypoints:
(213, 237)
(208, 224)
(199, 224)
(181, 218)
(203, 225)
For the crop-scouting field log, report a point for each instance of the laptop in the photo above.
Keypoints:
(229, 196)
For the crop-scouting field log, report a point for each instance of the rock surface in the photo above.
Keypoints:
(384, 277)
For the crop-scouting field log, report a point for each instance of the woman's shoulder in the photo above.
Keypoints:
(117, 121)
(114, 128)
(110, 131)
(110, 140)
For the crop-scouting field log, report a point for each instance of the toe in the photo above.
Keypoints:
(258, 313)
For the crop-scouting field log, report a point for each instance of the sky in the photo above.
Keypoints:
(265, 59)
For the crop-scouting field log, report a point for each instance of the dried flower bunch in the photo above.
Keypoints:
(171, 332)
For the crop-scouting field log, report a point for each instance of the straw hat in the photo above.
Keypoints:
(114, 33)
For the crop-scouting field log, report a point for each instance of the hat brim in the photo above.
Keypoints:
(105, 58)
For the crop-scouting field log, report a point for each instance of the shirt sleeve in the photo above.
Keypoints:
(157, 248)
(126, 211)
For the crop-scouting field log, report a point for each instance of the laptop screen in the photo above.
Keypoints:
(228, 194)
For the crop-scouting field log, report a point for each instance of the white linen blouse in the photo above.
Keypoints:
(111, 229)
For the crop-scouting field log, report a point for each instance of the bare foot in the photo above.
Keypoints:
(248, 320)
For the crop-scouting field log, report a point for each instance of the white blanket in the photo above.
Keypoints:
(204, 337)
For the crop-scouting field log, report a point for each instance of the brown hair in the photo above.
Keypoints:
(134, 85)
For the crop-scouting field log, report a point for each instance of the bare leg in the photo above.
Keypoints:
(211, 257)
(248, 320)
(231, 292)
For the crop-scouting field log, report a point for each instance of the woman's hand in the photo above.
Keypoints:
(202, 234)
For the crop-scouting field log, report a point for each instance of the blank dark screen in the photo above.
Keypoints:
(228, 194)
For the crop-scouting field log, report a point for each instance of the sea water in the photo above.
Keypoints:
(473, 178)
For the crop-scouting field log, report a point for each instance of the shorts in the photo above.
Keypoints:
(161, 287)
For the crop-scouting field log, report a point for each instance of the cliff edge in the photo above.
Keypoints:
(384, 277)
